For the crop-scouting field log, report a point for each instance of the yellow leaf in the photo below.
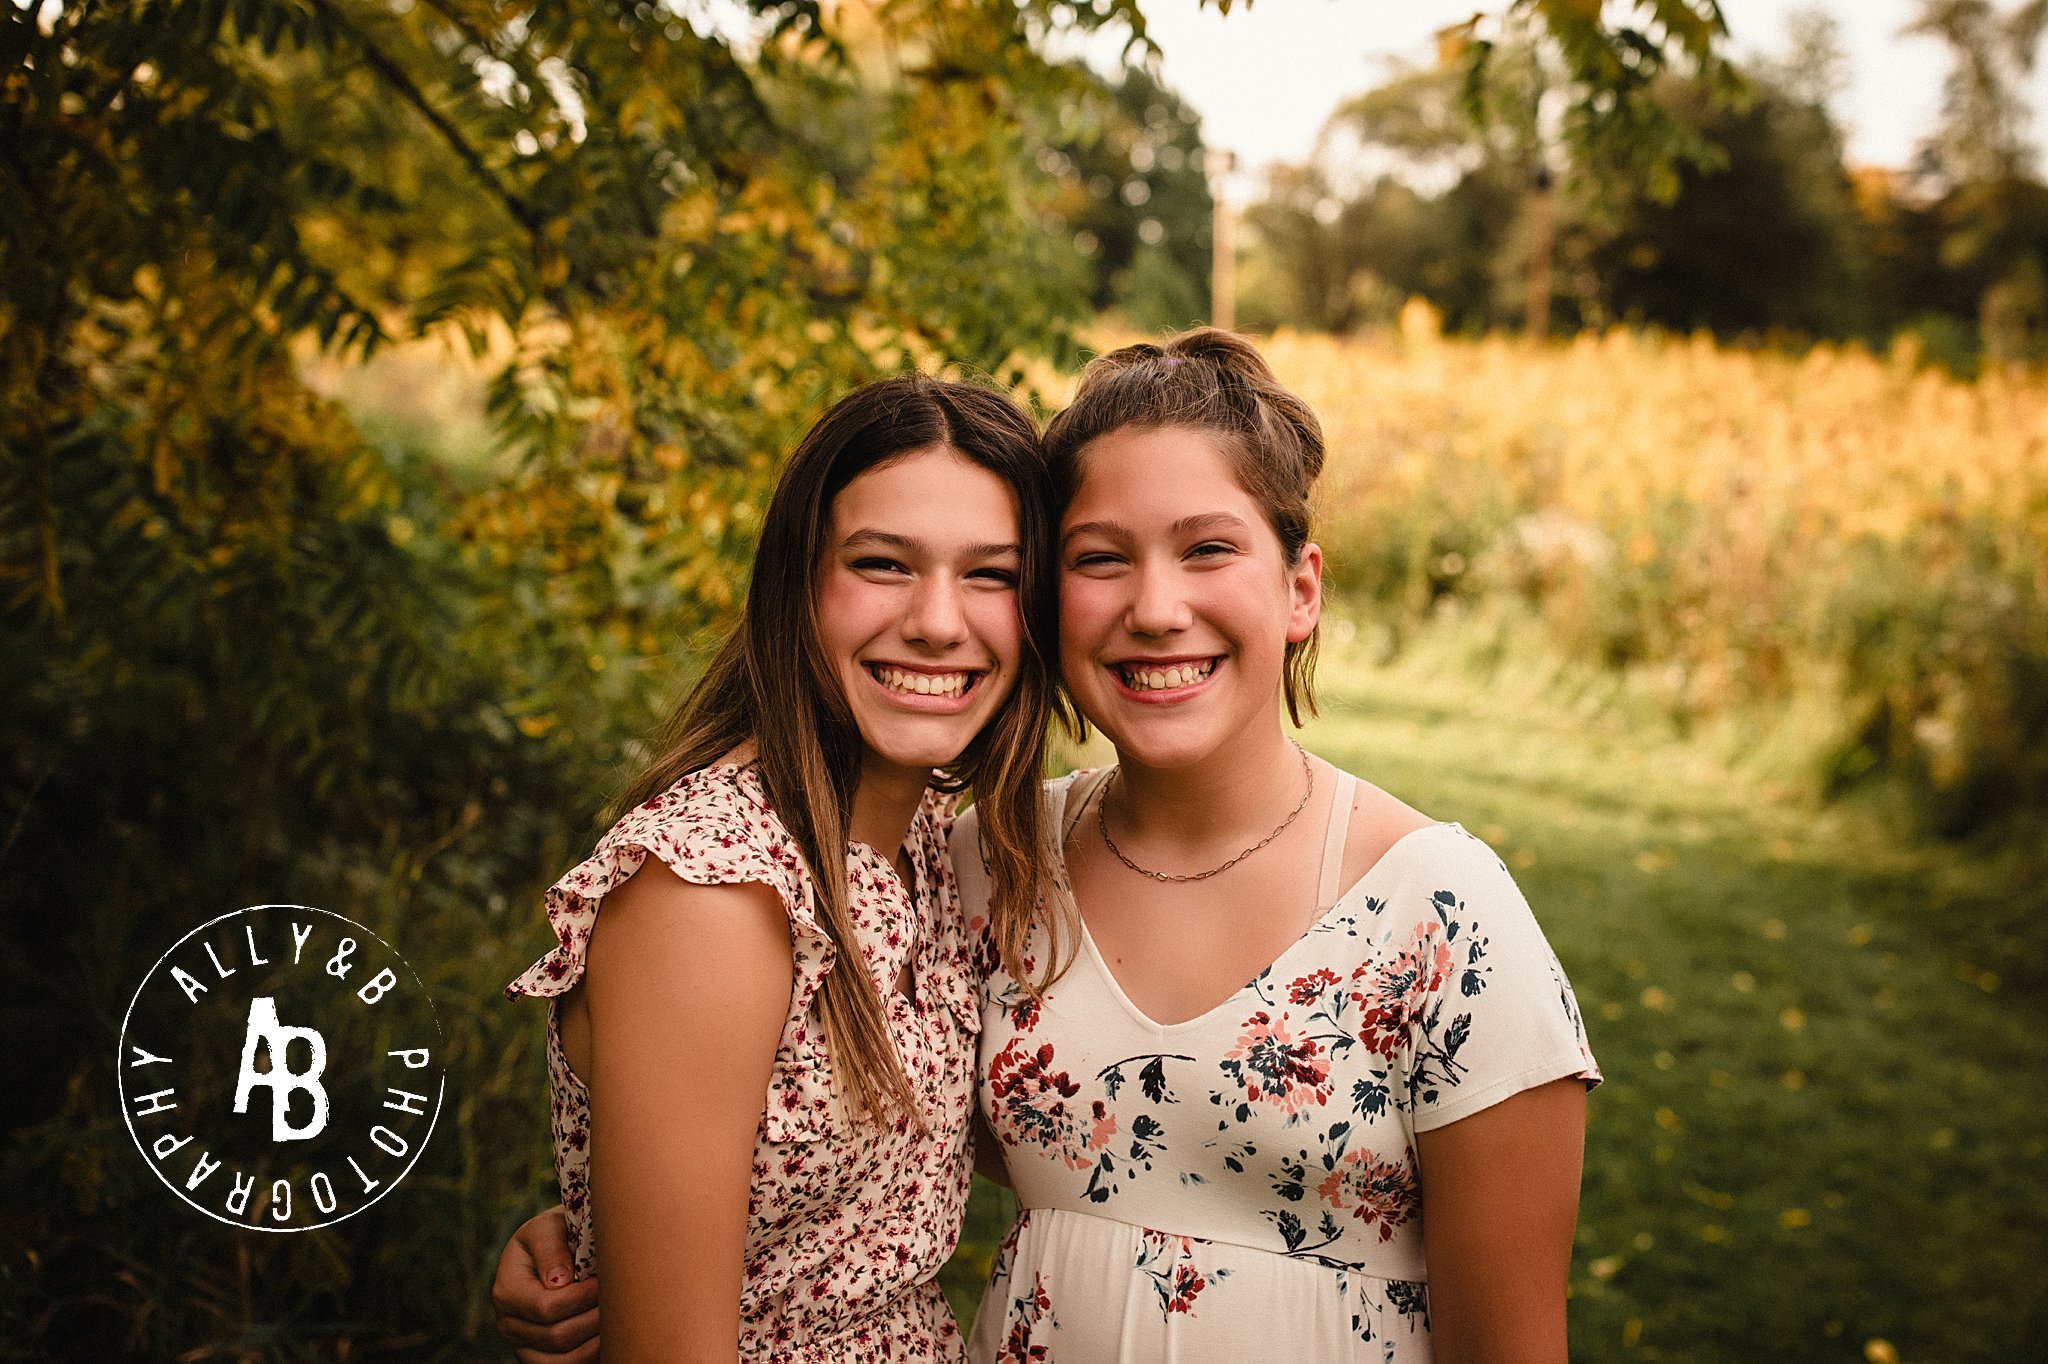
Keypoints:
(1454, 41)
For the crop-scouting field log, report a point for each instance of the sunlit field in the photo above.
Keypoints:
(1729, 526)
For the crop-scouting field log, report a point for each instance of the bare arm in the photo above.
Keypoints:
(688, 987)
(1500, 1196)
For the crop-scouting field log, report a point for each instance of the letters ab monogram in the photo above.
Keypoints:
(275, 1039)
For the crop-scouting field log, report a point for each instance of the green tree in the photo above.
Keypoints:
(1135, 198)
(1992, 218)
(1605, 69)
(1763, 236)
(1405, 195)
(1440, 180)
(1982, 133)
(1766, 240)
(253, 655)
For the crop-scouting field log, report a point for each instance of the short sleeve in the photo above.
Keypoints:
(1469, 994)
(713, 827)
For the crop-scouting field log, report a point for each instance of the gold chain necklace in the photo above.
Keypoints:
(1102, 824)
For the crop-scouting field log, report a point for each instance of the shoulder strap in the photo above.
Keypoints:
(1333, 840)
(1080, 791)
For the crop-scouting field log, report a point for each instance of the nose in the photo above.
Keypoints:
(936, 617)
(1158, 606)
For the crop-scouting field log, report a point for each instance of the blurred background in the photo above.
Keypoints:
(389, 390)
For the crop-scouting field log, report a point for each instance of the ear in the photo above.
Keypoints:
(1305, 593)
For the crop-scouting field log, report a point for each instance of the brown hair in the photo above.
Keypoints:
(772, 683)
(1214, 382)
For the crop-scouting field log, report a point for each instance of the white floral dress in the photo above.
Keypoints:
(1242, 1186)
(847, 1226)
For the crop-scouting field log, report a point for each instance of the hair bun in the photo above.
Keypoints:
(1227, 351)
(1125, 358)
(1236, 361)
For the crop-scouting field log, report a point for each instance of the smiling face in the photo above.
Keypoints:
(1176, 600)
(917, 607)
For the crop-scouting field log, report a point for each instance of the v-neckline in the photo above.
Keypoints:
(1145, 1020)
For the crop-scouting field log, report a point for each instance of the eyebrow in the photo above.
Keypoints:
(1187, 525)
(904, 544)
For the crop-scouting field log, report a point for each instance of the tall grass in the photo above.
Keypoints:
(1729, 526)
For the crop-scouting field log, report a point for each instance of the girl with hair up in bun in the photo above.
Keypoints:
(1292, 1073)
(1282, 1069)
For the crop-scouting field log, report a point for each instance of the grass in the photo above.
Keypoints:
(1821, 1135)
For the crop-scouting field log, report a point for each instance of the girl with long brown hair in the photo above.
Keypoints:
(761, 1048)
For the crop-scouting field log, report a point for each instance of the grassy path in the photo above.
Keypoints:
(1824, 1132)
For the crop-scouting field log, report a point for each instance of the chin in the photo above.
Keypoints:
(1165, 746)
(921, 752)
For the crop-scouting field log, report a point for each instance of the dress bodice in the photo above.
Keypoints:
(1190, 1189)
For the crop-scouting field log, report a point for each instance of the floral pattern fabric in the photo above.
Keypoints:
(1243, 1185)
(847, 1226)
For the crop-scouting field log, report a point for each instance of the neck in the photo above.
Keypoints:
(1244, 786)
(884, 804)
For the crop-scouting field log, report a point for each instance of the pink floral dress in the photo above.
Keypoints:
(847, 1225)
(1243, 1185)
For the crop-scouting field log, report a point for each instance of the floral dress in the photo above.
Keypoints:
(847, 1225)
(1243, 1185)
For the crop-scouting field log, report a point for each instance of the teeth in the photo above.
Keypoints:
(922, 684)
(1163, 679)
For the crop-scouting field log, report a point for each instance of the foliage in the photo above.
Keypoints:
(1616, 132)
(1767, 240)
(1407, 196)
(1135, 196)
(1340, 248)
(251, 655)
(1982, 135)
(1430, 183)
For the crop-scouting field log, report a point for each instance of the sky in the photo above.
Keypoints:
(1264, 78)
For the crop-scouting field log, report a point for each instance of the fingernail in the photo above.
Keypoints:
(556, 1278)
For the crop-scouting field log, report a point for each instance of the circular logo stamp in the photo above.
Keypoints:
(280, 1068)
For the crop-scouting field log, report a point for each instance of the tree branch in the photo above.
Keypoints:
(395, 76)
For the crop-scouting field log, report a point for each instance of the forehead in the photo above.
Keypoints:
(1171, 469)
(932, 487)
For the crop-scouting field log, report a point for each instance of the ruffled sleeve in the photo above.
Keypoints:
(713, 827)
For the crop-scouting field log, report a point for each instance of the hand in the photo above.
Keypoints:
(544, 1314)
